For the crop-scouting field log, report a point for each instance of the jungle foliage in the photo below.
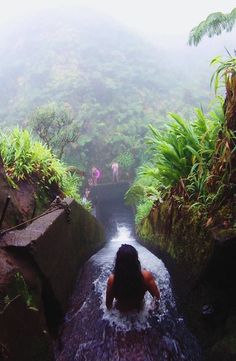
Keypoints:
(25, 158)
(54, 124)
(192, 162)
(113, 81)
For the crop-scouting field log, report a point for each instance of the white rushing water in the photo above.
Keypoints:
(91, 332)
(105, 261)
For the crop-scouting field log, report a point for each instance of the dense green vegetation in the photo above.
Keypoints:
(55, 126)
(180, 158)
(88, 91)
(190, 161)
(112, 80)
(25, 158)
(88, 88)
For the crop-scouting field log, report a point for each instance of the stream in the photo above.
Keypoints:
(90, 332)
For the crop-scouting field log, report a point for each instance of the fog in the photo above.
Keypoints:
(97, 96)
(119, 65)
(148, 17)
(164, 23)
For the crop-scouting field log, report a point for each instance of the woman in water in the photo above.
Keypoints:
(128, 283)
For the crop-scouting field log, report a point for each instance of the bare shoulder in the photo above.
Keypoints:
(147, 275)
(109, 291)
(110, 280)
(151, 284)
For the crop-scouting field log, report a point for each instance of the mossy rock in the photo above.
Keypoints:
(181, 233)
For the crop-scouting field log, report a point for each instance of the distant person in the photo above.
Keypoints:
(115, 172)
(95, 175)
(86, 195)
(87, 192)
(128, 282)
(90, 182)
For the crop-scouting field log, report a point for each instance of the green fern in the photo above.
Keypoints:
(181, 153)
(214, 24)
(143, 211)
(25, 158)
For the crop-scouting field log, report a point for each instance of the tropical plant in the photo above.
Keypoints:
(24, 158)
(135, 194)
(143, 211)
(224, 164)
(146, 185)
(126, 160)
(142, 194)
(214, 24)
(115, 92)
(184, 147)
(225, 73)
(180, 160)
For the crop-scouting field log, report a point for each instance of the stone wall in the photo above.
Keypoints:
(109, 192)
(38, 269)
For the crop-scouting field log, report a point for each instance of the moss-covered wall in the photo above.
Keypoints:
(181, 234)
(199, 251)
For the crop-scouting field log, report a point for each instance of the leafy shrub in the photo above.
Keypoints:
(126, 160)
(25, 158)
(143, 211)
(180, 161)
(185, 148)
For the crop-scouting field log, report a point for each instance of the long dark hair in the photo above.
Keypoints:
(128, 278)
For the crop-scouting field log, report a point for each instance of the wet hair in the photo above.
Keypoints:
(128, 278)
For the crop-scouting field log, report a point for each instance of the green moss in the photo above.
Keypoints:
(181, 232)
(41, 201)
(144, 229)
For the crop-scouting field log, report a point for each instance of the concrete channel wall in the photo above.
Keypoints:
(38, 269)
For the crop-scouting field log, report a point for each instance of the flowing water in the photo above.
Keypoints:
(91, 332)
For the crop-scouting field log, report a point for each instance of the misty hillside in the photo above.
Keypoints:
(115, 82)
(81, 58)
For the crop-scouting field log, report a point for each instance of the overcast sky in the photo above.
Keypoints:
(150, 17)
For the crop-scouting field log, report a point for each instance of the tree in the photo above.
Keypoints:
(55, 125)
(214, 24)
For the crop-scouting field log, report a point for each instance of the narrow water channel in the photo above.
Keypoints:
(92, 333)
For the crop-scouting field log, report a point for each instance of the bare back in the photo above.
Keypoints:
(131, 304)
